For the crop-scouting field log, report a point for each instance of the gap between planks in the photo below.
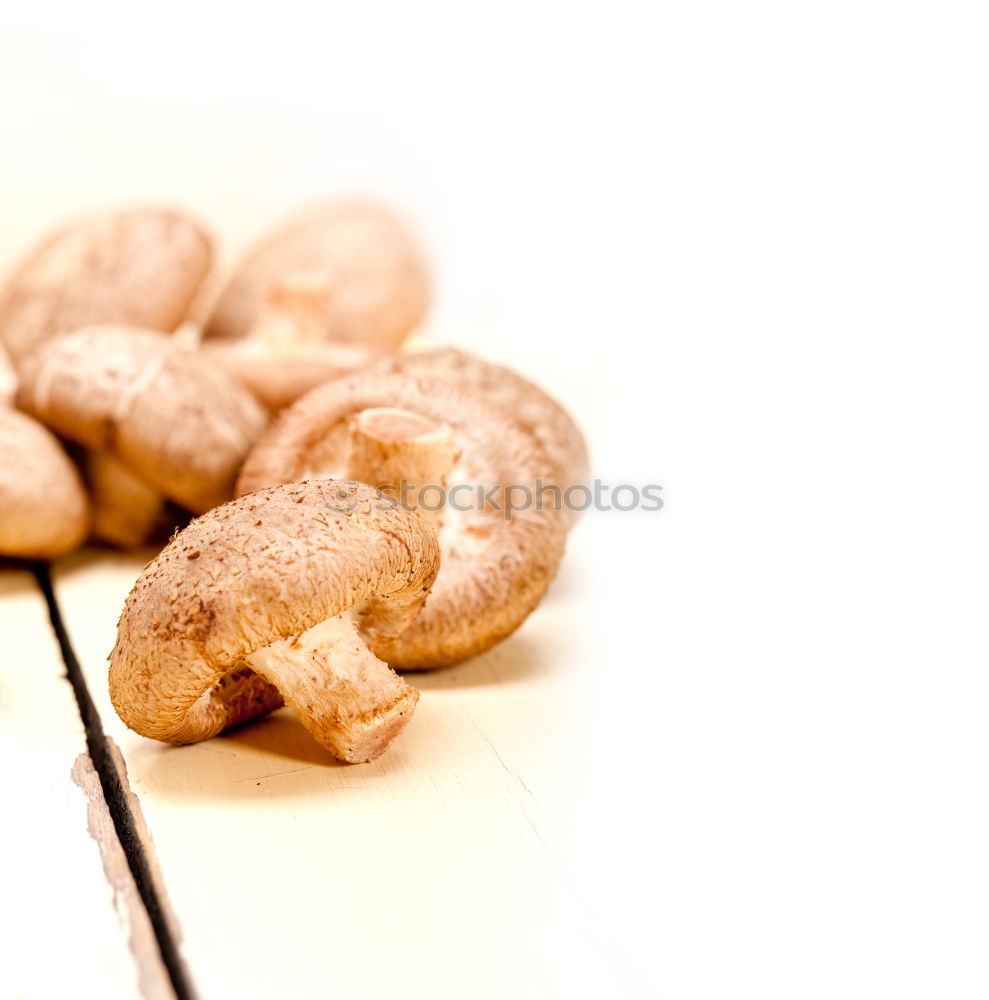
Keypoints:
(107, 766)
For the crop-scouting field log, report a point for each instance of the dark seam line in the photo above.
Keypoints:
(116, 795)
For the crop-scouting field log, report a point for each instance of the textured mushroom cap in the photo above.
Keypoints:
(141, 267)
(377, 274)
(529, 405)
(264, 567)
(44, 512)
(495, 571)
(180, 424)
(278, 379)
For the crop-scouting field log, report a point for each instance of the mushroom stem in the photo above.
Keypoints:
(293, 312)
(405, 455)
(351, 702)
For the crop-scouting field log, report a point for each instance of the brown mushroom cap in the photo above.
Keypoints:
(140, 267)
(255, 573)
(181, 425)
(529, 405)
(376, 273)
(495, 570)
(44, 512)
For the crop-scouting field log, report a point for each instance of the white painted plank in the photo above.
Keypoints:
(436, 871)
(71, 916)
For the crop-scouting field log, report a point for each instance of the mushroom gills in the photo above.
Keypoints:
(126, 510)
(353, 703)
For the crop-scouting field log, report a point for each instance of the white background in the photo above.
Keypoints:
(747, 243)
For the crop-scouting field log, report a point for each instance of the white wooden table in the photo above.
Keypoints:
(70, 906)
(437, 871)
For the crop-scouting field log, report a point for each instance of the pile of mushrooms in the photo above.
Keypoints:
(321, 459)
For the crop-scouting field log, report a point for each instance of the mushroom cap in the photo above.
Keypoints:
(44, 512)
(530, 406)
(378, 276)
(495, 571)
(140, 266)
(261, 568)
(180, 424)
(278, 379)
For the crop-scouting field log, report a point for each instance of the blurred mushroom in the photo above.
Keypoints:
(126, 510)
(286, 353)
(529, 405)
(44, 512)
(375, 272)
(8, 379)
(497, 562)
(180, 425)
(288, 593)
(140, 267)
